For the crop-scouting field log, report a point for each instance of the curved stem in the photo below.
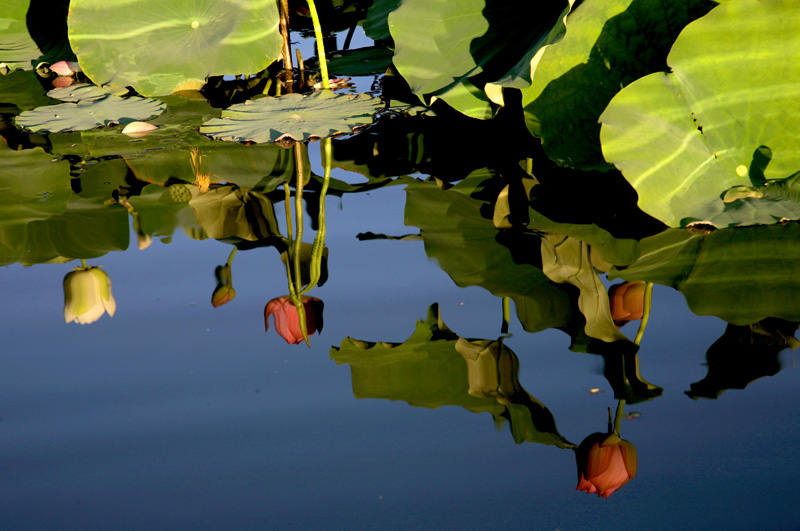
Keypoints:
(323, 63)
(83, 263)
(618, 416)
(230, 256)
(319, 240)
(648, 303)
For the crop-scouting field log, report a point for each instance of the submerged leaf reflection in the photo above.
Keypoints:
(435, 367)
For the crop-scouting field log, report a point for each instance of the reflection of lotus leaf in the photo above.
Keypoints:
(726, 116)
(435, 367)
(320, 114)
(87, 107)
(160, 47)
(230, 212)
(741, 275)
(17, 49)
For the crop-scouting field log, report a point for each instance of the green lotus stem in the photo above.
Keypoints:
(230, 256)
(529, 166)
(506, 315)
(319, 241)
(298, 218)
(648, 303)
(619, 415)
(323, 64)
(83, 263)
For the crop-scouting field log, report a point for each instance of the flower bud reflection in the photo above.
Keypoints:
(87, 295)
(605, 463)
(224, 291)
(627, 301)
(287, 320)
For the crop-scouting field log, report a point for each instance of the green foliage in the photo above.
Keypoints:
(725, 118)
(159, 48)
(317, 115)
(17, 48)
(435, 367)
(740, 275)
(608, 44)
(87, 107)
(439, 44)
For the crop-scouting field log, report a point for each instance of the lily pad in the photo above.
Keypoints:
(317, 115)
(440, 43)
(726, 117)
(605, 48)
(159, 48)
(87, 107)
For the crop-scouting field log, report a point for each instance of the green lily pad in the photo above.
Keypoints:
(376, 25)
(726, 117)
(605, 48)
(17, 48)
(87, 108)
(440, 43)
(159, 48)
(317, 115)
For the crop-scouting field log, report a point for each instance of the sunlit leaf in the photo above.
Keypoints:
(159, 48)
(300, 117)
(87, 107)
(440, 43)
(727, 117)
(608, 44)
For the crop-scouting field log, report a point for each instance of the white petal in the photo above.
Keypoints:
(138, 129)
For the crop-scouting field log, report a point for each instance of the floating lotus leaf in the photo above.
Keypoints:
(701, 143)
(84, 92)
(159, 47)
(376, 25)
(439, 43)
(604, 49)
(87, 107)
(317, 115)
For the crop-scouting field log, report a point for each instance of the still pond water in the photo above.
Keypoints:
(177, 415)
(174, 414)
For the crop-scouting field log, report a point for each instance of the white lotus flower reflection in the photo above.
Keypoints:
(87, 295)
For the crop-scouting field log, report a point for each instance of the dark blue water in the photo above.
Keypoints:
(176, 415)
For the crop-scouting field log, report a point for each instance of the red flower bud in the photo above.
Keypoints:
(287, 320)
(605, 463)
(627, 301)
